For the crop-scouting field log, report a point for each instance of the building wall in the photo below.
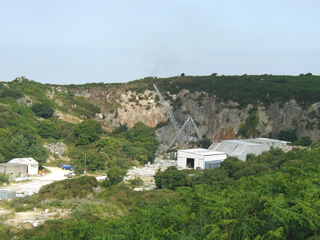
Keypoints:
(199, 160)
(33, 169)
(5, 194)
(14, 170)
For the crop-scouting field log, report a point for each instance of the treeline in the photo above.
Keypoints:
(271, 196)
(245, 89)
(120, 149)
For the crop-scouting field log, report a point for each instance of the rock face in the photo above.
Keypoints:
(57, 151)
(216, 120)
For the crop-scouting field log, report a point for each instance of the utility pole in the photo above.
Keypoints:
(85, 163)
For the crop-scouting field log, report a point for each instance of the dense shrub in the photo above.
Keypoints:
(289, 135)
(43, 110)
(47, 129)
(69, 188)
(171, 178)
(87, 132)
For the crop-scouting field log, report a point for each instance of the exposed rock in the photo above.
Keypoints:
(57, 151)
(216, 120)
(25, 100)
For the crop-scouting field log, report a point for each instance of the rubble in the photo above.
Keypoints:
(147, 172)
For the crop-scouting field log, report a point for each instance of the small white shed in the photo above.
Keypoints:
(199, 158)
(33, 165)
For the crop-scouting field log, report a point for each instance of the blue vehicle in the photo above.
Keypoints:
(67, 167)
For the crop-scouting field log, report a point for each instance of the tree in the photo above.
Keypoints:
(87, 132)
(142, 136)
(43, 110)
(204, 143)
(289, 135)
(231, 165)
(47, 129)
(24, 144)
(114, 176)
(171, 178)
(304, 141)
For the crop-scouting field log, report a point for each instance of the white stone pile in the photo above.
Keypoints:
(148, 171)
(28, 192)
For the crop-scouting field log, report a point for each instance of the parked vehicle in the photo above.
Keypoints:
(67, 167)
(70, 174)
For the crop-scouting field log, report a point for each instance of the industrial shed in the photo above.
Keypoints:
(6, 194)
(13, 169)
(33, 165)
(241, 148)
(199, 158)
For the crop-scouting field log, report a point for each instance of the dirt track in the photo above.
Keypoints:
(36, 183)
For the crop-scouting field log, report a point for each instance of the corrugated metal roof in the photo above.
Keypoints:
(11, 164)
(240, 142)
(202, 151)
(231, 148)
(29, 161)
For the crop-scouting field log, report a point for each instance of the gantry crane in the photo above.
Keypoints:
(188, 124)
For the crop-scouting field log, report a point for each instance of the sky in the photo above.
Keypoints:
(110, 41)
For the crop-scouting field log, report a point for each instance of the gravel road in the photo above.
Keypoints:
(36, 183)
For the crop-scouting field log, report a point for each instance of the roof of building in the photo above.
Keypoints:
(266, 140)
(29, 161)
(241, 142)
(231, 148)
(201, 151)
(12, 164)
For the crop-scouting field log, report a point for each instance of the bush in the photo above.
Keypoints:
(289, 135)
(304, 141)
(87, 132)
(43, 110)
(204, 143)
(171, 178)
(69, 188)
(114, 176)
(47, 129)
(4, 178)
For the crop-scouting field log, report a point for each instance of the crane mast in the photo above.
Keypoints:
(189, 123)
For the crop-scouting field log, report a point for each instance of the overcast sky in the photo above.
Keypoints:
(82, 41)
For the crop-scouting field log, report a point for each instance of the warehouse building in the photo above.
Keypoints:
(199, 158)
(33, 165)
(241, 148)
(14, 170)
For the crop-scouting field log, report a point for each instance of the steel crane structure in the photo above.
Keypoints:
(187, 125)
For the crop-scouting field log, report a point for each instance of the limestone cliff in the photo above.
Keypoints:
(217, 120)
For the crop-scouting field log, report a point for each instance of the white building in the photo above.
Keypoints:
(199, 158)
(241, 148)
(33, 165)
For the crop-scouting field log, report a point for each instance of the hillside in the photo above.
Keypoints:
(117, 126)
(223, 107)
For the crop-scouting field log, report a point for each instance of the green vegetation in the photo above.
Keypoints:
(289, 135)
(87, 132)
(124, 148)
(248, 128)
(245, 89)
(43, 110)
(22, 134)
(271, 196)
(4, 178)
(48, 129)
